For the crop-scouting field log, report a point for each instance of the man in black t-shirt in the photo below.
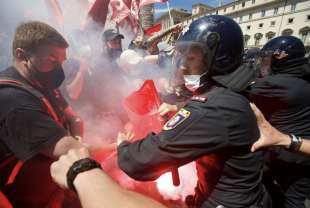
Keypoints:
(35, 120)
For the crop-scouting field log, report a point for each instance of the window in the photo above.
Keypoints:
(308, 18)
(233, 7)
(250, 16)
(258, 37)
(246, 40)
(253, 1)
(243, 4)
(272, 23)
(224, 9)
(287, 32)
(275, 11)
(304, 32)
(260, 25)
(217, 12)
(270, 35)
(240, 19)
(290, 20)
(263, 13)
(293, 7)
(248, 27)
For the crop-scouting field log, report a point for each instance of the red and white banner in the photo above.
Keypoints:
(150, 31)
(120, 10)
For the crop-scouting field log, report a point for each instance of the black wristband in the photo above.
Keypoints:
(79, 167)
(295, 143)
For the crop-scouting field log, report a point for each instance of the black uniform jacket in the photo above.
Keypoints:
(284, 99)
(217, 124)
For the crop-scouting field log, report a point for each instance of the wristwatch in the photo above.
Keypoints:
(295, 143)
(80, 166)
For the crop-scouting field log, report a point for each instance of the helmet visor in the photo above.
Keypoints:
(263, 63)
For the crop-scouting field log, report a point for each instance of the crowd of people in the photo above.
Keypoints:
(243, 118)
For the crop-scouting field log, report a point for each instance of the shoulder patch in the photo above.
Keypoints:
(178, 118)
(200, 99)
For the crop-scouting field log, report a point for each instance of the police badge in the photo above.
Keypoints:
(178, 118)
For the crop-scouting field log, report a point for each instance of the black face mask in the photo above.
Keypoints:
(51, 79)
(114, 53)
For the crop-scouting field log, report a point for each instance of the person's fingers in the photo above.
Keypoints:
(53, 168)
(255, 146)
(161, 108)
(120, 138)
(84, 152)
(163, 112)
(259, 115)
(130, 135)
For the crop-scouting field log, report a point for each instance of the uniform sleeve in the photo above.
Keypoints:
(268, 96)
(30, 129)
(183, 141)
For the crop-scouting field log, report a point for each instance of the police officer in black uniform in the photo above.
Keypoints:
(282, 94)
(216, 128)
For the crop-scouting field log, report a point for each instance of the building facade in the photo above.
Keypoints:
(200, 9)
(177, 16)
(262, 20)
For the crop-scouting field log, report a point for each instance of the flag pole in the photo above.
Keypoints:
(168, 7)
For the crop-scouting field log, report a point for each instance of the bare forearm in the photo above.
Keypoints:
(96, 189)
(305, 146)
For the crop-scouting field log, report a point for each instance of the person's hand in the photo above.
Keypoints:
(268, 134)
(121, 137)
(60, 168)
(166, 108)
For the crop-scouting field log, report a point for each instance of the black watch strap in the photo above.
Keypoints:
(295, 143)
(80, 166)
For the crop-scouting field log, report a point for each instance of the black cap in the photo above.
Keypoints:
(111, 34)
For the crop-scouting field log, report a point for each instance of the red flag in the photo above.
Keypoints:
(154, 29)
(120, 10)
(99, 11)
(55, 13)
(146, 2)
(142, 106)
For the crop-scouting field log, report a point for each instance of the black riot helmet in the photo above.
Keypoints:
(282, 53)
(221, 39)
